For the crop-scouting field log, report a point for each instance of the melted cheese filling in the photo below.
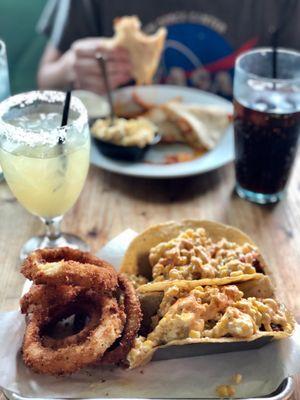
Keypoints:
(125, 132)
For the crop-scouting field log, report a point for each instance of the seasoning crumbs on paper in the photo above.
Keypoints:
(226, 391)
(237, 379)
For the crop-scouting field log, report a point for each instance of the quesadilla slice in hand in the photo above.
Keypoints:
(144, 50)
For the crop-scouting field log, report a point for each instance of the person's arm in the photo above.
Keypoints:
(74, 40)
(53, 69)
(79, 66)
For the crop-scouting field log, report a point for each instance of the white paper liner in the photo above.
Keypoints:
(197, 377)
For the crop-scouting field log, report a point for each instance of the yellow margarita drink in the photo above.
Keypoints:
(47, 185)
(44, 164)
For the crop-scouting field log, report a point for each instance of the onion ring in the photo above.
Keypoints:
(70, 282)
(84, 308)
(70, 359)
(66, 266)
(42, 297)
(118, 354)
(49, 302)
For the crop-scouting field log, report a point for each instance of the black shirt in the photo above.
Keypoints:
(204, 36)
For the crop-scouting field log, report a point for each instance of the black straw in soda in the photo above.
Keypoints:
(286, 11)
(274, 53)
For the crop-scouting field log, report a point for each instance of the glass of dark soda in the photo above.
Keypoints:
(266, 122)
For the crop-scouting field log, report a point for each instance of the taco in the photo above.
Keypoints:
(210, 314)
(200, 252)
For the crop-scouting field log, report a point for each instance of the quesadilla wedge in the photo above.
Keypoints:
(199, 125)
(210, 314)
(167, 125)
(197, 252)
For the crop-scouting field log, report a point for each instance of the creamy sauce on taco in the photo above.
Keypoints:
(193, 255)
(208, 312)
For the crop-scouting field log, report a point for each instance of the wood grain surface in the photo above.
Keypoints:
(110, 203)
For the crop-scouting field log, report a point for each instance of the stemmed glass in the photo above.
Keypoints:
(44, 164)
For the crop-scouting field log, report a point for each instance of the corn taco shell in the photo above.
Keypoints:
(271, 320)
(136, 260)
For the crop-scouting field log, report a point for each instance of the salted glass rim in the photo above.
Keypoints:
(245, 54)
(45, 136)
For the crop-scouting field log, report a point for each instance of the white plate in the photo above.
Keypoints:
(222, 154)
(96, 105)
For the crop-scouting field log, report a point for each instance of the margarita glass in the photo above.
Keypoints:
(44, 164)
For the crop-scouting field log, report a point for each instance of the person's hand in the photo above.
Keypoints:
(83, 70)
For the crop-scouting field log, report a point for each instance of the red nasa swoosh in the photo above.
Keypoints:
(228, 61)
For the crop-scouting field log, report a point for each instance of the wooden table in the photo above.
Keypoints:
(111, 203)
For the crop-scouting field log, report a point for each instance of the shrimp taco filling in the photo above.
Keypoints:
(211, 312)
